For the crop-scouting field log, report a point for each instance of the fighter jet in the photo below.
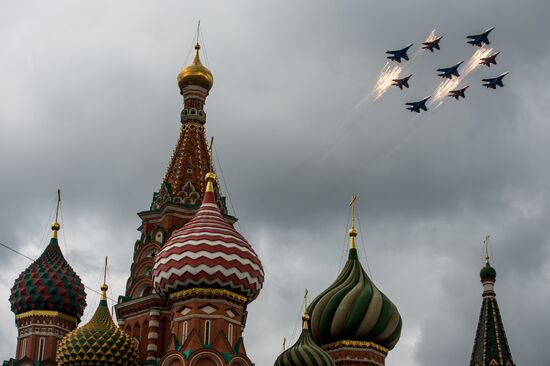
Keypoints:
(493, 82)
(397, 55)
(400, 83)
(449, 72)
(489, 60)
(458, 93)
(430, 45)
(417, 106)
(480, 39)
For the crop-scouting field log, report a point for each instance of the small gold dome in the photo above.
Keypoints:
(56, 226)
(196, 73)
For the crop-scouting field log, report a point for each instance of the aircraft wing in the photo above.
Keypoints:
(487, 80)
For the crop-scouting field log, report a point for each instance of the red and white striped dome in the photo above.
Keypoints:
(208, 252)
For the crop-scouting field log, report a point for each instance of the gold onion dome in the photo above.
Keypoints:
(196, 73)
(99, 342)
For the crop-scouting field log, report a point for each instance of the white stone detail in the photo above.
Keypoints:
(185, 311)
(208, 309)
(153, 335)
(230, 313)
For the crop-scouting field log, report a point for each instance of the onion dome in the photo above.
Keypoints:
(50, 284)
(304, 352)
(99, 342)
(208, 252)
(196, 73)
(354, 311)
(488, 272)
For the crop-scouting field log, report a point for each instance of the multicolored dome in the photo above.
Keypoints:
(208, 252)
(304, 352)
(49, 283)
(354, 309)
(100, 342)
(196, 73)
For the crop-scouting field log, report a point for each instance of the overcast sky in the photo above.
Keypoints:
(89, 103)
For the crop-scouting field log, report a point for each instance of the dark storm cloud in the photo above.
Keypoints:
(89, 103)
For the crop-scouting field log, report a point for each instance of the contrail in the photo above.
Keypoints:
(446, 86)
(387, 75)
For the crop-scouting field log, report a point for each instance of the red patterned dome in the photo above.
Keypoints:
(208, 252)
(49, 283)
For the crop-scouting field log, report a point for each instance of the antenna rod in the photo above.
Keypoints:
(58, 203)
(105, 273)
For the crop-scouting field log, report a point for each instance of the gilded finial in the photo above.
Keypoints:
(486, 246)
(210, 176)
(352, 232)
(55, 225)
(104, 286)
(305, 317)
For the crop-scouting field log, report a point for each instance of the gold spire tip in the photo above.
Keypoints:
(486, 247)
(305, 317)
(352, 232)
(55, 225)
(104, 286)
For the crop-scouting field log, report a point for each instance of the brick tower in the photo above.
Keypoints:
(48, 299)
(174, 318)
(490, 344)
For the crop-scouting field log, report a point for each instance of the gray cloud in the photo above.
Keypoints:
(89, 103)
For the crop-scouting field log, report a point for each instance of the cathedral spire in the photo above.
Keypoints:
(490, 344)
(55, 225)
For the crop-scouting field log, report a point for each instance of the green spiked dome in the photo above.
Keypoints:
(100, 342)
(50, 284)
(304, 352)
(353, 310)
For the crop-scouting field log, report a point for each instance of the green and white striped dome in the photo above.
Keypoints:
(304, 352)
(353, 309)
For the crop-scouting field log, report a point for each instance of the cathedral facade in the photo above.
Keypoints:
(192, 278)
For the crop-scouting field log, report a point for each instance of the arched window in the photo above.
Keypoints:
(185, 330)
(207, 332)
(41, 344)
(230, 334)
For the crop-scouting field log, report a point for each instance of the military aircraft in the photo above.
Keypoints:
(397, 55)
(449, 72)
(403, 82)
(430, 45)
(458, 93)
(493, 82)
(417, 106)
(489, 60)
(480, 39)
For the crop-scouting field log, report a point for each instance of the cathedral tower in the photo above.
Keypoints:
(352, 319)
(192, 274)
(48, 300)
(490, 344)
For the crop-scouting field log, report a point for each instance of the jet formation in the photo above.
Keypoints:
(403, 82)
(417, 106)
(397, 55)
(452, 73)
(494, 82)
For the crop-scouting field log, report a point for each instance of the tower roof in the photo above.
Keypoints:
(304, 352)
(99, 342)
(196, 73)
(50, 284)
(208, 252)
(354, 309)
(490, 344)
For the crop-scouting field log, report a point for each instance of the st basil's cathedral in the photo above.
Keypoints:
(192, 278)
